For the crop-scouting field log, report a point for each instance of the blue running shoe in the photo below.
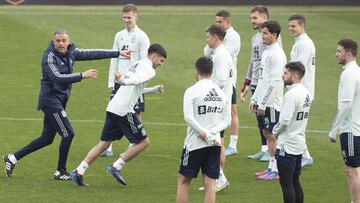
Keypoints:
(78, 179)
(230, 151)
(116, 174)
(107, 153)
(265, 158)
(256, 156)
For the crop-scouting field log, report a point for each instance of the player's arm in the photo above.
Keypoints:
(275, 83)
(225, 118)
(113, 65)
(220, 72)
(346, 93)
(134, 79)
(144, 46)
(154, 90)
(232, 44)
(189, 115)
(287, 112)
(247, 81)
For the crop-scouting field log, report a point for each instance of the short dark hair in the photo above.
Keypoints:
(273, 27)
(204, 66)
(216, 30)
(299, 18)
(349, 46)
(297, 68)
(157, 49)
(130, 7)
(61, 31)
(223, 13)
(261, 9)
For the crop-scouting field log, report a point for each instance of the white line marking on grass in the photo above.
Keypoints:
(146, 123)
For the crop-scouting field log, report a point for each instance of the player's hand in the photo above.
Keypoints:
(111, 89)
(125, 53)
(161, 88)
(117, 75)
(252, 108)
(214, 143)
(202, 136)
(91, 73)
(332, 140)
(260, 112)
(243, 93)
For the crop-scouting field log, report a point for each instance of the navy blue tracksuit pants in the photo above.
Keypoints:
(55, 121)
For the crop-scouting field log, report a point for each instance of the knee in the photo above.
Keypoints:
(146, 142)
(352, 172)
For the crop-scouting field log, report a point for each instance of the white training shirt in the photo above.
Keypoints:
(232, 43)
(269, 91)
(304, 51)
(206, 109)
(257, 48)
(223, 70)
(132, 85)
(134, 40)
(290, 130)
(347, 119)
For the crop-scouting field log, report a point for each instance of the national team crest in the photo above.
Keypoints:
(15, 2)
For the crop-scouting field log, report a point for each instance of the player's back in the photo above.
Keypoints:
(208, 104)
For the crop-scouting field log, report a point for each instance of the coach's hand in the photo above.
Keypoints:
(91, 73)
(125, 53)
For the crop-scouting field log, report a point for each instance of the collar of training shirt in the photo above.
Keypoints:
(218, 48)
(351, 63)
(300, 37)
(289, 87)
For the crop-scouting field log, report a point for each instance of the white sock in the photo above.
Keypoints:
(109, 149)
(82, 168)
(12, 158)
(264, 148)
(233, 141)
(118, 164)
(306, 153)
(222, 177)
(271, 162)
(274, 165)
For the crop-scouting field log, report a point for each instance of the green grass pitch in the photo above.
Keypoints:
(25, 32)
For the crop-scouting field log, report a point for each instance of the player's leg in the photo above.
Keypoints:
(263, 153)
(299, 193)
(109, 152)
(109, 133)
(234, 128)
(209, 189)
(182, 194)
(135, 133)
(350, 146)
(269, 121)
(222, 182)
(286, 165)
(190, 164)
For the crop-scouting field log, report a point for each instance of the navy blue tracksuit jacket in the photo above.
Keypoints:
(58, 76)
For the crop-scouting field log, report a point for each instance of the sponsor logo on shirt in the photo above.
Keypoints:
(307, 102)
